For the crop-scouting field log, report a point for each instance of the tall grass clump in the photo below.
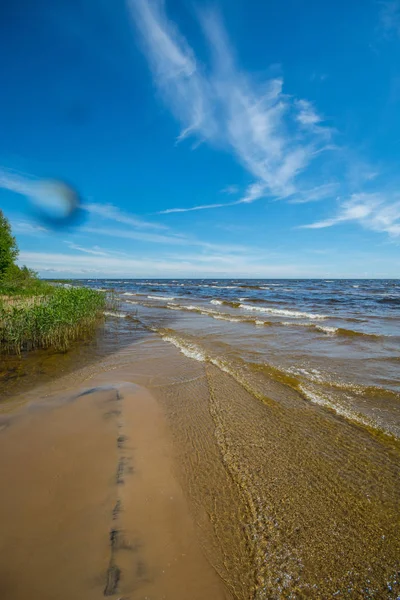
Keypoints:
(51, 318)
(35, 313)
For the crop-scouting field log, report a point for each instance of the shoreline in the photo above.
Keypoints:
(106, 516)
(269, 488)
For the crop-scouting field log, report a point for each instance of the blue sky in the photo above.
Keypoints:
(228, 139)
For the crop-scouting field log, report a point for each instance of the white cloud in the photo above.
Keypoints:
(14, 182)
(255, 191)
(168, 211)
(319, 192)
(307, 114)
(230, 189)
(111, 212)
(175, 67)
(390, 17)
(143, 266)
(94, 250)
(371, 211)
(23, 227)
(156, 238)
(273, 136)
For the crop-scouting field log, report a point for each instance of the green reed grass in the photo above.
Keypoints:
(50, 317)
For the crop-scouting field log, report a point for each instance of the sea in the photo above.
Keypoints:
(336, 341)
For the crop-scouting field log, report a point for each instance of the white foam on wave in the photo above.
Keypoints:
(312, 374)
(326, 329)
(188, 349)
(223, 287)
(195, 352)
(347, 413)
(111, 313)
(323, 328)
(295, 314)
(222, 317)
(129, 294)
(215, 301)
(161, 297)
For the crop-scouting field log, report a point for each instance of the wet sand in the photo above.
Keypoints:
(152, 475)
(90, 506)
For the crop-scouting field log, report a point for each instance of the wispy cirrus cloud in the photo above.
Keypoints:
(95, 250)
(319, 192)
(180, 240)
(27, 228)
(231, 189)
(113, 213)
(273, 136)
(253, 192)
(199, 207)
(16, 182)
(372, 211)
(390, 17)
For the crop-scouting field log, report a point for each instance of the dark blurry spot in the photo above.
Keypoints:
(57, 204)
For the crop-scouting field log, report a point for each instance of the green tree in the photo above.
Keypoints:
(8, 246)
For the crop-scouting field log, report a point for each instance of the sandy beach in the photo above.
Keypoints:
(90, 505)
(150, 475)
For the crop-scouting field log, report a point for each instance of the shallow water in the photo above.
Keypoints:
(337, 342)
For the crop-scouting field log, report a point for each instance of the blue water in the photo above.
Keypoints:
(338, 339)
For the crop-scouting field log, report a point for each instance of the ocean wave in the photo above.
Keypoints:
(310, 373)
(111, 313)
(330, 330)
(188, 349)
(222, 287)
(129, 294)
(215, 314)
(295, 314)
(223, 316)
(246, 286)
(216, 301)
(161, 297)
(296, 378)
(326, 329)
(346, 412)
(395, 301)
